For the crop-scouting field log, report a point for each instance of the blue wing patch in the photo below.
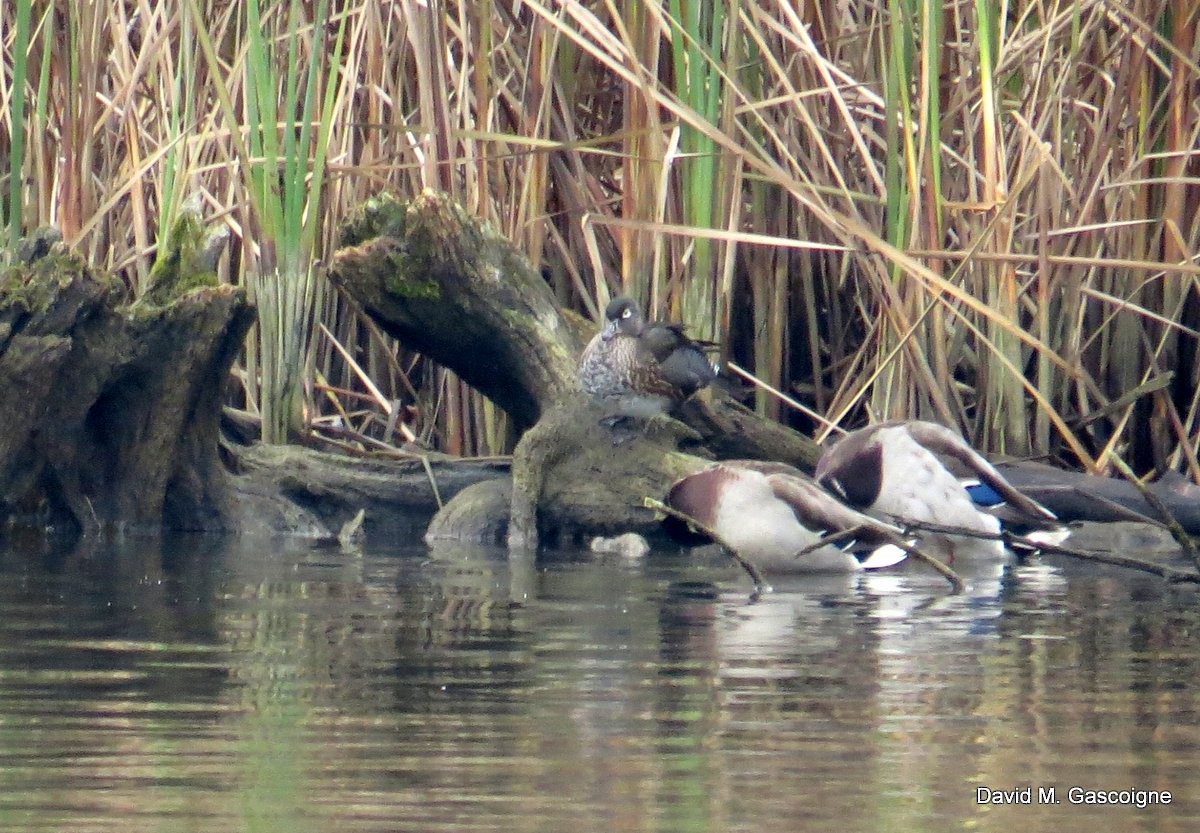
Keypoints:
(982, 494)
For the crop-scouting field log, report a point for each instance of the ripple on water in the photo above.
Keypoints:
(227, 686)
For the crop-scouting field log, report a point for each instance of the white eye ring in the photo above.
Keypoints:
(626, 313)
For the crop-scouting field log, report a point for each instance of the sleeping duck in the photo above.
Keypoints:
(892, 471)
(770, 512)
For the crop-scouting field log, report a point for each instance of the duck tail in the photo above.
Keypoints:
(886, 555)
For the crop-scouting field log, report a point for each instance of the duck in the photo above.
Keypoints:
(769, 513)
(641, 369)
(892, 471)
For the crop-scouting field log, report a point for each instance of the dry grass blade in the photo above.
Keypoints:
(994, 234)
(437, 494)
(782, 397)
(384, 404)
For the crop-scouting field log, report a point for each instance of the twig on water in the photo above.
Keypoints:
(760, 583)
(1009, 539)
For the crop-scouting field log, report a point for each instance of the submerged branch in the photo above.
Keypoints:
(1010, 539)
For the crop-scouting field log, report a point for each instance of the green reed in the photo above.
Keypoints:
(288, 113)
(966, 212)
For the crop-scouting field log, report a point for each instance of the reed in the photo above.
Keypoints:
(14, 207)
(699, 51)
(288, 93)
(973, 213)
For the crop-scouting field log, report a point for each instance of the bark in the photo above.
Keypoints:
(112, 413)
(301, 491)
(111, 409)
(454, 290)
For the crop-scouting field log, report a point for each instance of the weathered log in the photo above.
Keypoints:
(1081, 497)
(302, 491)
(570, 480)
(112, 412)
(447, 285)
(110, 409)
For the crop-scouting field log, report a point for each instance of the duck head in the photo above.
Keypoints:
(622, 316)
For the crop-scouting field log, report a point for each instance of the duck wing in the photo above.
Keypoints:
(680, 360)
(661, 340)
(941, 440)
(873, 542)
(821, 512)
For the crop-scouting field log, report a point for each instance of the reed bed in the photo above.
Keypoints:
(979, 213)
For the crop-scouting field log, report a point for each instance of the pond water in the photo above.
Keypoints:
(213, 685)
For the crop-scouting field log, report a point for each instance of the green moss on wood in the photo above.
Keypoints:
(31, 288)
(182, 265)
(409, 282)
(384, 215)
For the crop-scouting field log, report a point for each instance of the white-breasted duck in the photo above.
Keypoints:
(770, 512)
(892, 472)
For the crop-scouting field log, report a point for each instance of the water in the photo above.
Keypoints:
(221, 686)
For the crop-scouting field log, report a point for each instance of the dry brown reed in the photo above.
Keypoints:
(999, 199)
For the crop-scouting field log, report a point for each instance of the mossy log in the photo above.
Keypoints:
(110, 409)
(449, 286)
(313, 493)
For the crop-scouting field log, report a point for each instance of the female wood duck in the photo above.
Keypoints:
(640, 369)
(770, 512)
(891, 471)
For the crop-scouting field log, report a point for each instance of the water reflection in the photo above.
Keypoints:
(200, 684)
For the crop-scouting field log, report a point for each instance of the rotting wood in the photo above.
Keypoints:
(111, 409)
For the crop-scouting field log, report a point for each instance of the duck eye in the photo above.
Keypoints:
(626, 313)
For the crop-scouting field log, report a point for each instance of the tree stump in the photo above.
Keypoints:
(112, 412)
(111, 409)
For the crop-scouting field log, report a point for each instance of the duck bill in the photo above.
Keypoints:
(609, 331)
